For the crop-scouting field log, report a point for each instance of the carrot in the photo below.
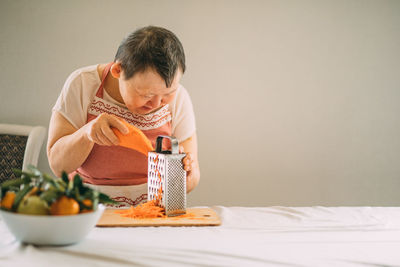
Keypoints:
(135, 139)
(149, 209)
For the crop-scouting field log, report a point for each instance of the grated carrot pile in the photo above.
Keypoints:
(149, 209)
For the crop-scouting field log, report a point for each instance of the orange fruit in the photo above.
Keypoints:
(88, 203)
(64, 206)
(8, 200)
(33, 191)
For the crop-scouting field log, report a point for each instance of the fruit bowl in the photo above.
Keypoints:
(51, 230)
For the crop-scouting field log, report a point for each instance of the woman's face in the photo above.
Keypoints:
(146, 91)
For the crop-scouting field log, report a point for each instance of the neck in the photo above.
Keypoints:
(111, 85)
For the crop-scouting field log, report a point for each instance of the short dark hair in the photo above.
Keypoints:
(151, 47)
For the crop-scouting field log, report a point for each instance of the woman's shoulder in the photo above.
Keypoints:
(182, 115)
(84, 74)
(178, 95)
(181, 95)
(81, 85)
(82, 81)
(181, 101)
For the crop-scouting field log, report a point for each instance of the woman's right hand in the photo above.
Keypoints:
(99, 130)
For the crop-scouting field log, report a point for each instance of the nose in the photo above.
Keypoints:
(156, 101)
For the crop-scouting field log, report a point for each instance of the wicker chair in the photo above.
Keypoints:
(20, 146)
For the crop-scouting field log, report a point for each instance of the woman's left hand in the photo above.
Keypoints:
(187, 160)
(190, 162)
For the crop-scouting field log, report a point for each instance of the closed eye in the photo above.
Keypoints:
(170, 93)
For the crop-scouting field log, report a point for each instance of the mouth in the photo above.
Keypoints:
(147, 108)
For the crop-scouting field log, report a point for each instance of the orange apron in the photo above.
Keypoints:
(118, 171)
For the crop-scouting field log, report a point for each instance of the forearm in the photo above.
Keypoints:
(69, 152)
(193, 178)
(191, 163)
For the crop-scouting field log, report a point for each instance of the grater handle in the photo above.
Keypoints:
(174, 144)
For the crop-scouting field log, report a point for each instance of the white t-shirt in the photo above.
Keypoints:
(81, 87)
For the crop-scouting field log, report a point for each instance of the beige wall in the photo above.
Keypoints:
(297, 102)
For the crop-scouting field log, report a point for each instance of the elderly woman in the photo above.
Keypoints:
(142, 86)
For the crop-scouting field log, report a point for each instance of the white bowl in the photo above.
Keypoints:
(51, 230)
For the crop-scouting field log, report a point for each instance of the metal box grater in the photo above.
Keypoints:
(167, 177)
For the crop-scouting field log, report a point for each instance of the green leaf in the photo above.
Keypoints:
(34, 170)
(55, 182)
(17, 172)
(78, 182)
(64, 177)
(14, 182)
(105, 199)
(13, 188)
(26, 179)
(77, 195)
(50, 195)
(24, 176)
(69, 188)
(22, 173)
(20, 195)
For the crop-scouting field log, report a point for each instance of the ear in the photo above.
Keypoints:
(116, 70)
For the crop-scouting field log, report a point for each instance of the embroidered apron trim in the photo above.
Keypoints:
(143, 122)
(127, 202)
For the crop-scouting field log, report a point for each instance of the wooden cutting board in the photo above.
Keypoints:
(201, 217)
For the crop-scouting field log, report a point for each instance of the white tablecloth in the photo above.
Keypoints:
(269, 236)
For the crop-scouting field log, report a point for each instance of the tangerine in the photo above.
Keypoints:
(8, 200)
(64, 206)
(87, 203)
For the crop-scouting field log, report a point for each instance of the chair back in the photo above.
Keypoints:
(20, 147)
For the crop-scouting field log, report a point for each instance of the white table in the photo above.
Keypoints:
(269, 236)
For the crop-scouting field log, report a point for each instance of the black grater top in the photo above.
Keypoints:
(174, 145)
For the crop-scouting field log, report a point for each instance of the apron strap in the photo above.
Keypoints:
(99, 92)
